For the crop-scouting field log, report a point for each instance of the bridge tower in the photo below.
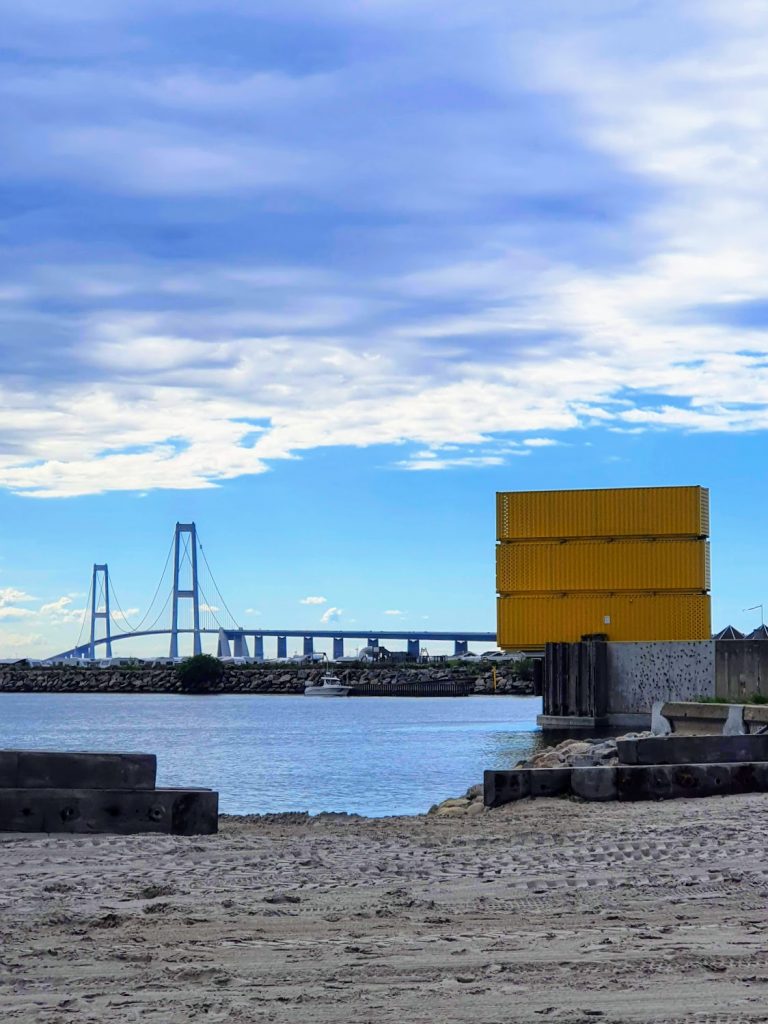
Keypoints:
(179, 591)
(99, 588)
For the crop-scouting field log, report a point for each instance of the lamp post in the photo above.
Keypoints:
(754, 609)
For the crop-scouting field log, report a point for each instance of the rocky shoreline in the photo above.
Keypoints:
(256, 679)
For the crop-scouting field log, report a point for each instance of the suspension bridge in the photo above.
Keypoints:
(188, 600)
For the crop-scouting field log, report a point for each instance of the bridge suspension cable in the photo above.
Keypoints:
(138, 626)
(234, 623)
(85, 615)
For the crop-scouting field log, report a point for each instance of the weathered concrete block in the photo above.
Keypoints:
(755, 716)
(502, 787)
(183, 812)
(692, 718)
(67, 769)
(594, 783)
(9, 766)
(693, 749)
(549, 781)
(672, 781)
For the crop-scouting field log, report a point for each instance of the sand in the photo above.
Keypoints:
(551, 910)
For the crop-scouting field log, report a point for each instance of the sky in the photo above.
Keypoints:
(322, 277)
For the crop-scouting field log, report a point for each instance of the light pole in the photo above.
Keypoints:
(754, 609)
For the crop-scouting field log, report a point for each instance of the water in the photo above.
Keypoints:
(368, 755)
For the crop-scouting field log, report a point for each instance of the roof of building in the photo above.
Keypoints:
(729, 633)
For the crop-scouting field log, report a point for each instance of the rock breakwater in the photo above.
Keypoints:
(267, 678)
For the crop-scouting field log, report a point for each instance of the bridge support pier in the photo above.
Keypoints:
(414, 649)
(241, 646)
(223, 649)
(258, 648)
(338, 647)
(460, 647)
(373, 641)
(309, 645)
(282, 647)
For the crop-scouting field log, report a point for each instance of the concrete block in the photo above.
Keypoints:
(64, 770)
(734, 723)
(693, 749)
(660, 726)
(183, 812)
(691, 718)
(558, 722)
(755, 717)
(594, 783)
(502, 787)
(549, 781)
(9, 765)
(667, 782)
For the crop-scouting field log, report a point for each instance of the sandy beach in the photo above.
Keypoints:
(551, 910)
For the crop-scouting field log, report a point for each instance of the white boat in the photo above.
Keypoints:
(328, 686)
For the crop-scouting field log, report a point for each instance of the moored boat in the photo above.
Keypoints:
(327, 686)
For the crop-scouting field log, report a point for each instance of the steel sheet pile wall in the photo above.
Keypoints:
(629, 563)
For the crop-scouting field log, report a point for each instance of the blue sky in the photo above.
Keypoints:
(324, 279)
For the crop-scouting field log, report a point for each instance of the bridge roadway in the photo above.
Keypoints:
(239, 640)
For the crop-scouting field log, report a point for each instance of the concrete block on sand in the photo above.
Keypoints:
(693, 749)
(673, 781)
(502, 787)
(43, 769)
(550, 781)
(594, 783)
(9, 766)
(185, 812)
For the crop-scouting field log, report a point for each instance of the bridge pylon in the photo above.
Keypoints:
(99, 588)
(192, 593)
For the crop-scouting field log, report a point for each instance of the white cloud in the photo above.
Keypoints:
(11, 594)
(252, 611)
(331, 615)
(60, 610)
(55, 607)
(611, 296)
(313, 600)
(393, 611)
(19, 644)
(10, 612)
(118, 615)
(208, 607)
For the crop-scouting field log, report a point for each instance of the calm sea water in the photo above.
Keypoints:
(373, 756)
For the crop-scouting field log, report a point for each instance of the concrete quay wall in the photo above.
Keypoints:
(639, 674)
(277, 679)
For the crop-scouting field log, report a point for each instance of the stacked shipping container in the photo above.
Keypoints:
(630, 563)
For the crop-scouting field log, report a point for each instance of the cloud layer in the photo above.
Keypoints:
(453, 230)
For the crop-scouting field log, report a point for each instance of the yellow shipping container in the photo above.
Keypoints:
(614, 512)
(600, 565)
(532, 621)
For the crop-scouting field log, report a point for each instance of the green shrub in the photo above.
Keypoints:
(199, 674)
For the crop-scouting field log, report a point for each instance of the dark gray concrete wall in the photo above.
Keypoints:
(741, 668)
(639, 674)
